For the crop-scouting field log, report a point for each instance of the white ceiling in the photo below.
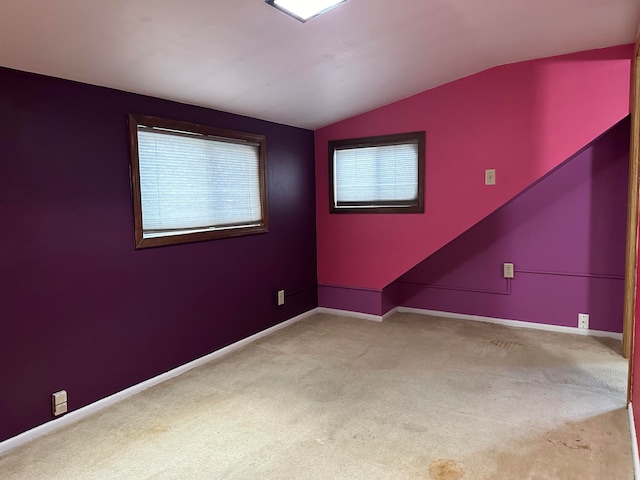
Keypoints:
(246, 57)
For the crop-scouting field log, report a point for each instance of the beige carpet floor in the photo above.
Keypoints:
(330, 397)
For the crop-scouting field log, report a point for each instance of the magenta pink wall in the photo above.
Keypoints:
(522, 119)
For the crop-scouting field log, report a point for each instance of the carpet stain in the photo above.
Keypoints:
(576, 445)
(134, 434)
(412, 427)
(445, 470)
(506, 344)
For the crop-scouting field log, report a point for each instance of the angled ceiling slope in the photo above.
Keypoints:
(246, 57)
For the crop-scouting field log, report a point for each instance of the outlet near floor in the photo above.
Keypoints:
(59, 403)
(583, 320)
(280, 297)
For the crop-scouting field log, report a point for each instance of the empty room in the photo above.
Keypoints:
(319, 239)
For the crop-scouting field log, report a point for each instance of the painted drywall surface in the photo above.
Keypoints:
(362, 300)
(80, 308)
(351, 299)
(522, 119)
(565, 236)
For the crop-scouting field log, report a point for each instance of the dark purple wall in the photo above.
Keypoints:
(80, 308)
(363, 300)
(566, 237)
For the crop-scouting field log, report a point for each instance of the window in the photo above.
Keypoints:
(377, 174)
(193, 182)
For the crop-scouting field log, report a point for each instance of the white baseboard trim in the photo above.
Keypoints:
(77, 415)
(634, 443)
(513, 323)
(362, 316)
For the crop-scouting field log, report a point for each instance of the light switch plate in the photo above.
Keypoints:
(490, 176)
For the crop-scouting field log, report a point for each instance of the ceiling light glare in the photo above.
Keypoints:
(304, 10)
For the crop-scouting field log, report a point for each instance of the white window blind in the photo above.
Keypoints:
(377, 175)
(195, 183)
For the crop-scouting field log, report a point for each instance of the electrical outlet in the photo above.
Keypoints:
(59, 403)
(490, 176)
(583, 320)
(280, 297)
(508, 270)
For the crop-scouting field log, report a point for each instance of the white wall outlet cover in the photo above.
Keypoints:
(508, 270)
(583, 320)
(280, 297)
(59, 402)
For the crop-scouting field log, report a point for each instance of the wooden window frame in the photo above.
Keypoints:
(378, 141)
(219, 232)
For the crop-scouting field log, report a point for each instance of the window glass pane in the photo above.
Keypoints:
(382, 174)
(189, 182)
(377, 174)
(193, 182)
